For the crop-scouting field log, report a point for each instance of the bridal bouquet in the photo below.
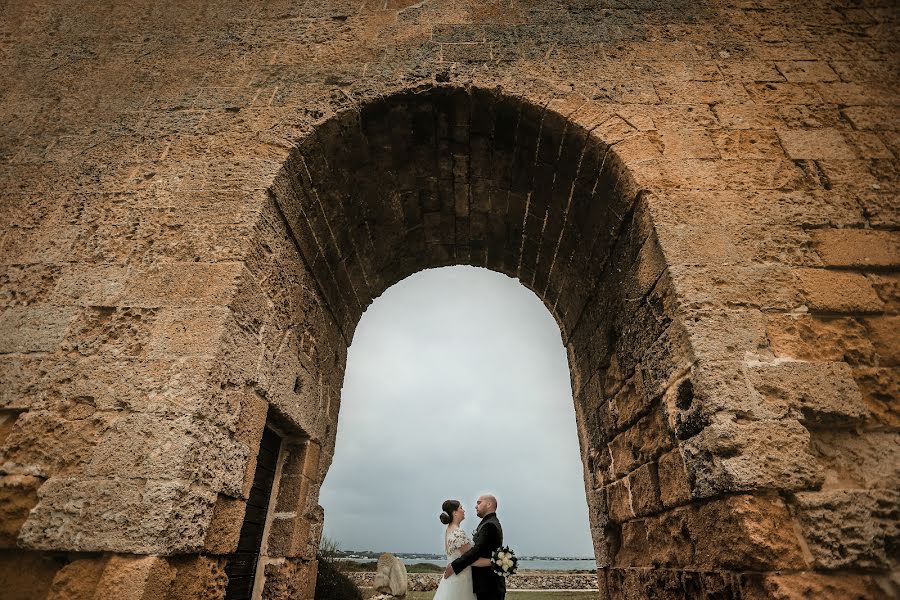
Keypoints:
(504, 561)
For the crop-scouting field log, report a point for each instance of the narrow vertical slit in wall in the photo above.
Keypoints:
(241, 566)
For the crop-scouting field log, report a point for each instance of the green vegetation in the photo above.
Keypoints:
(331, 584)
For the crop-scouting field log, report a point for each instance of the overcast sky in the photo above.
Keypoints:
(456, 385)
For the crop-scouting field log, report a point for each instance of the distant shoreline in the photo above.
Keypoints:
(422, 565)
(424, 556)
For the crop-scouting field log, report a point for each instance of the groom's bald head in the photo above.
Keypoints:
(485, 505)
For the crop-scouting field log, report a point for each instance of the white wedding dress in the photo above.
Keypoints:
(457, 586)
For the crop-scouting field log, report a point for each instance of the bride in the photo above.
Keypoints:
(456, 542)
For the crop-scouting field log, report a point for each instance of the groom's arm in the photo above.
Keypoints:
(486, 544)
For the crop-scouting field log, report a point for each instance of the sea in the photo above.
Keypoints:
(569, 564)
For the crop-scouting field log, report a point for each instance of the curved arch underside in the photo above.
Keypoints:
(449, 176)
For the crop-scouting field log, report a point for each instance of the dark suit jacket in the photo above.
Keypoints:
(486, 584)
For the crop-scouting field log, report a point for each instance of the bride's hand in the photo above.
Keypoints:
(448, 571)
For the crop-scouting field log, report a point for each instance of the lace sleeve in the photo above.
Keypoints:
(456, 540)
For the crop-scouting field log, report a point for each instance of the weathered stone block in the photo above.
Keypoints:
(664, 540)
(887, 286)
(124, 515)
(45, 443)
(736, 455)
(290, 579)
(837, 291)
(181, 284)
(249, 429)
(90, 285)
(27, 575)
(151, 447)
(815, 144)
(288, 535)
(857, 459)
(662, 584)
(687, 143)
(768, 286)
(18, 495)
(619, 501)
(239, 354)
(645, 440)
(107, 331)
(292, 493)
(850, 528)
(674, 486)
(604, 532)
(78, 580)
(295, 389)
(880, 389)
(813, 586)
(187, 332)
(198, 578)
(738, 533)
(746, 533)
(34, 328)
(816, 394)
(629, 403)
(21, 376)
(725, 334)
(225, 524)
(136, 578)
(643, 484)
(807, 71)
(863, 248)
(806, 337)
(883, 331)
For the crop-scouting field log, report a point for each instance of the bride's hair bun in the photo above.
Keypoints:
(449, 507)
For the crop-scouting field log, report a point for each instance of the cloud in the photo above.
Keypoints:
(457, 384)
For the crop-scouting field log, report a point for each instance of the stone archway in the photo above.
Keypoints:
(449, 175)
(695, 442)
(695, 427)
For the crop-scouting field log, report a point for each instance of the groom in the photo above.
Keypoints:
(486, 584)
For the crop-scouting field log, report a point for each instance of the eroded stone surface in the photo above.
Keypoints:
(702, 194)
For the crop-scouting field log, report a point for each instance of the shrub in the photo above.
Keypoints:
(331, 584)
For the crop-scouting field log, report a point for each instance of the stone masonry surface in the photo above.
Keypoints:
(200, 199)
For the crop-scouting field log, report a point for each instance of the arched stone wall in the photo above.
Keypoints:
(194, 226)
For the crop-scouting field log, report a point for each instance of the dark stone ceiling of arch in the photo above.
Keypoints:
(447, 176)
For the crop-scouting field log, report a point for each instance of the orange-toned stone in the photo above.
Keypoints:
(857, 247)
(673, 479)
(27, 575)
(225, 525)
(136, 578)
(79, 579)
(198, 578)
(885, 335)
(171, 242)
(880, 388)
(815, 144)
(809, 585)
(18, 495)
(807, 337)
(837, 291)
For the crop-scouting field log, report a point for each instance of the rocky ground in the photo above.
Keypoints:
(536, 580)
